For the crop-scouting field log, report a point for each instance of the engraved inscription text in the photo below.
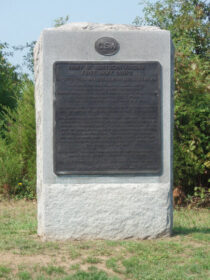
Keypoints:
(107, 118)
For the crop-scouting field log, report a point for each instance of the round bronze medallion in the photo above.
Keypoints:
(107, 46)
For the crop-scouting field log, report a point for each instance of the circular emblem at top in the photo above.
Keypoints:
(107, 46)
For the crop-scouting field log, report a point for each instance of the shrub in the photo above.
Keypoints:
(10, 82)
(17, 147)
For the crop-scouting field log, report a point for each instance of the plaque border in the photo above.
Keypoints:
(114, 173)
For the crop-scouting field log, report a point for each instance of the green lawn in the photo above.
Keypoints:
(186, 255)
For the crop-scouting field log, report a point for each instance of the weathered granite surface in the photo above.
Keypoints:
(79, 26)
(101, 207)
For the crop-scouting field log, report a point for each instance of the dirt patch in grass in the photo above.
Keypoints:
(15, 262)
(10, 259)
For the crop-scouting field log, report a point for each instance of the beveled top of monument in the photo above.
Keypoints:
(83, 26)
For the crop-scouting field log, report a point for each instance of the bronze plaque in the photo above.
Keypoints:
(107, 118)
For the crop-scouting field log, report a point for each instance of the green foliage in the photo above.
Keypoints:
(200, 198)
(10, 83)
(188, 23)
(61, 21)
(17, 148)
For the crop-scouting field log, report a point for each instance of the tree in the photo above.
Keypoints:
(188, 21)
(10, 83)
(17, 147)
(61, 21)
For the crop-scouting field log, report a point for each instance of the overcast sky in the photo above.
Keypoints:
(22, 21)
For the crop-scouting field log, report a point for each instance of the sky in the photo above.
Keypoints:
(22, 21)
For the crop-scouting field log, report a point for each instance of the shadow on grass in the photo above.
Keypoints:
(186, 231)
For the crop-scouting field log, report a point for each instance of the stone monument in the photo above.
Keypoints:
(104, 131)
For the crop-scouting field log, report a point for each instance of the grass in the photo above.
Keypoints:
(23, 256)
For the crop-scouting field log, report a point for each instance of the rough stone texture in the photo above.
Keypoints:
(113, 211)
(105, 207)
(79, 26)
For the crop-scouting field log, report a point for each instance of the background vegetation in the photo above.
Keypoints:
(17, 146)
(10, 83)
(189, 23)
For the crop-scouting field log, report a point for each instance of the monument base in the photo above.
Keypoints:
(105, 211)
